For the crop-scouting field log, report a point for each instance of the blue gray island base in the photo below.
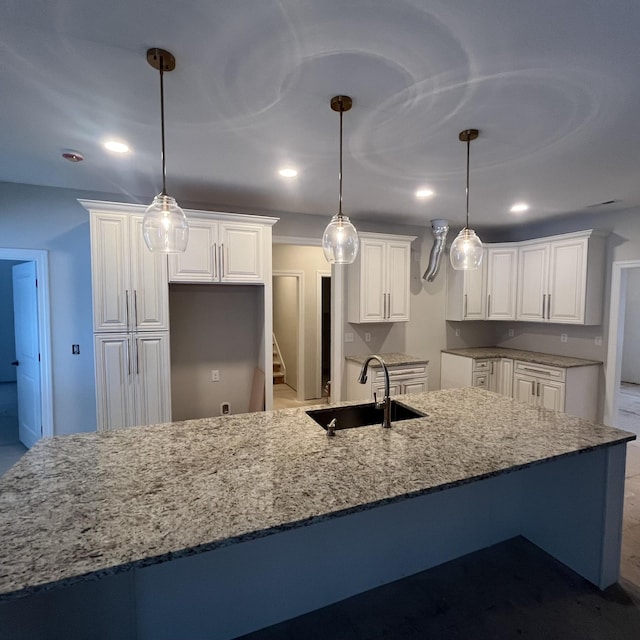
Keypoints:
(556, 480)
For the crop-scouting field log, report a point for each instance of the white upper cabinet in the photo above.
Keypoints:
(379, 279)
(220, 251)
(467, 292)
(502, 274)
(129, 282)
(560, 280)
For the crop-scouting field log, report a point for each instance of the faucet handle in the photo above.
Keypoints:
(379, 403)
(331, 428)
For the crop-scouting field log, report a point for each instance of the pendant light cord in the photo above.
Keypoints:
(340, 173)
(468, 147)
(164, 165)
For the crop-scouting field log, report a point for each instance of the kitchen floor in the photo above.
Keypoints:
(284, 397)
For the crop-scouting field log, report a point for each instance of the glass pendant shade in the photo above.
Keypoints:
(466, 251)
(340, 241)
(164, 227)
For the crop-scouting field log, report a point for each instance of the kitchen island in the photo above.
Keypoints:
(219, 526)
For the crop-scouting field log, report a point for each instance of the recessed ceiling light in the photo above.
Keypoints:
(519, 207)
(424, 193)
(288, 172)
(116, 146)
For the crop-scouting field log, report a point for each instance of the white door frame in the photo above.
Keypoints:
(615, 342)
(299, 276)
(337, 314)
(41, 258)
(319, 276)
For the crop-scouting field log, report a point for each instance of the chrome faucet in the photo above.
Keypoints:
(384, 404)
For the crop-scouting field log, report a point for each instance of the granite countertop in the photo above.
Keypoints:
(484, 353)
(82, 506)
(391, 359)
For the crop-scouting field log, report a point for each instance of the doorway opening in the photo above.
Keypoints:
(26, 408)
(622, 389)
(325, 334)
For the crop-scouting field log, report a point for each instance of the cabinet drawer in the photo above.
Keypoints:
(540, 371)
(481, 380)
(401, 372)
(481, 365)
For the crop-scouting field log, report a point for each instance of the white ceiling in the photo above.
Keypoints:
(553, 86)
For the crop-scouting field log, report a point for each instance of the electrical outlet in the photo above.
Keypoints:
(367, 337)
(511, 332)
(215, 375)
(457, 333)
(598, 341)
(225, 408)
(348, 336)
(563, 337)
(75, 349)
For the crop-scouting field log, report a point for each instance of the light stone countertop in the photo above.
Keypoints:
(484, 353)
(391, 359)
(87, 505)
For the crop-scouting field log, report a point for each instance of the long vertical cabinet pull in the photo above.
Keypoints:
(533, 388)
(137, 356)
(215, 259)
(549, 307)
(389, 306)
(135, 308)
(465, 305)
(222, 260)
(128, 356)
(127, 308)
(488, 305)
(544, 305)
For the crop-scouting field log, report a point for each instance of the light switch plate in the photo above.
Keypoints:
(215, 375)
(598, 341)
(563, 337)
(511, 332)
(348, 336)
(367, 337)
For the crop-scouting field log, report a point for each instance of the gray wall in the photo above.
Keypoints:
(631, 350)
(213, 327)
(43, 218)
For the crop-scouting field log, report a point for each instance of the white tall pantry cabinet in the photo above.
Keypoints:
(131, 301)
(130, 322)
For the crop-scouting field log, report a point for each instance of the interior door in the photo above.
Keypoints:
(25, 313)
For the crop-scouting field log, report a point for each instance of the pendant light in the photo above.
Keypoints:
(340, 239)
(164, 227)
(466, 250)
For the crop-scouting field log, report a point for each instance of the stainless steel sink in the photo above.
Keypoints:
(361, 415)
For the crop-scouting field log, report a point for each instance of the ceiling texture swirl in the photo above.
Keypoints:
(553, 86)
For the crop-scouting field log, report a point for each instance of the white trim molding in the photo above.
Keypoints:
(615, 340)
(41, 258)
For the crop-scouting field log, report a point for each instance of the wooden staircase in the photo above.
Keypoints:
(278, 366)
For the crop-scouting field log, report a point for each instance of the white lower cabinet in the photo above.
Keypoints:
(571, 390)
(132, 372)
(540, 386)
(402, 379)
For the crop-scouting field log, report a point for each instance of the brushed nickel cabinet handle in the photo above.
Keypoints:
(465, 305)
(215, 259)
(135, 306)
(488, 305)
(549, 307)
(127, 307)
(137, 356)
(544, 305)
(128, 357)
(222, 260)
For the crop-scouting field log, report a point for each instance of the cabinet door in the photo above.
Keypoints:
(114, 380)
(394, 390)
(524, 389)
(481, 380)
(373, 301)
(150, 293)
(241, 253)
(200, 262)
(475, 292)
(533, 263)
(415, 386)
(567, 280)
(551, 395)
(398, 265)
(112, 295)
(505, 377)
(152, 384)
(501, 283)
